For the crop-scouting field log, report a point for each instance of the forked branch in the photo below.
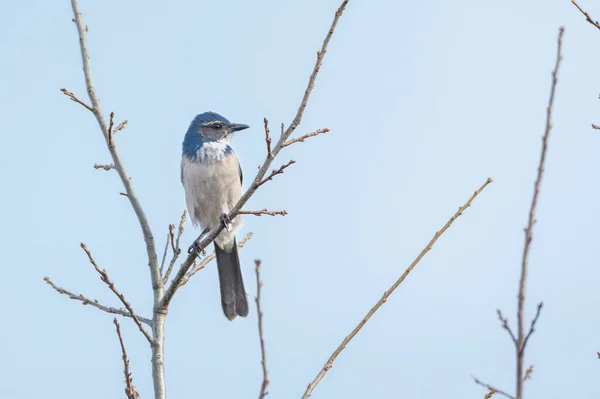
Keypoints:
(522, 336)
(93, 302)
(105, 279)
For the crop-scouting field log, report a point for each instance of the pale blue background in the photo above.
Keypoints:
(425, 101)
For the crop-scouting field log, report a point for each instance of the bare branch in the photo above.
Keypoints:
(506, 326)
(387, 293)
(587, 16)
(171, 227)
(268, 138)
(96, 108)
(164, 257)
(159, 313)
(105, 167)
(93, 302)
(104, 277)
(120, 126)
(263, 350)
(275, 172)
(201, 245)
(74, 98)
(306, 136)
(176, 248)
(521, 339)
(199, 266)
(110, 127)
(491, 388)
(532, 328)
(264, 211)
(129, 387)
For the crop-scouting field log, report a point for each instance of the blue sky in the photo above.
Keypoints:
(425, 100)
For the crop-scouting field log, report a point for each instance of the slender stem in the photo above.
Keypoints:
(130, 390)
(521, 334)
(261, 336)
(586, 15)
(311, 386)
(86, 301)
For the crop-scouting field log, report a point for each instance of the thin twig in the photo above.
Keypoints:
(105, 167)
(176, 247)
(201, 245)
(93, 302)
(110, 127)
(587, 16)
(104, 277)
(164, 257)
(275, 172)
(521, 341)
(506, 326)
(264, 211)
(74, 98)
(532, 328)
(268, 138)
(491, 388)
(129, 387)
(171, 227)
(311, 386)
(263, 350)
(199, 266)
(302, 138)
(120, 126)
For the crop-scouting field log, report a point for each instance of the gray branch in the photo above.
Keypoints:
(94, 303)
(522, 336)
(157, 283)
(329, 364)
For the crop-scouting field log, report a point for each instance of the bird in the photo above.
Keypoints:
(212, 177)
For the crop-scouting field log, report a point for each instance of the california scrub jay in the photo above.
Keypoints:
(212, 180)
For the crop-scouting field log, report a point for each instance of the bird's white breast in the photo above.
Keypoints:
(212, 189)
(212, 151)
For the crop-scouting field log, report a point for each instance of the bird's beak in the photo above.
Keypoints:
(235, 127)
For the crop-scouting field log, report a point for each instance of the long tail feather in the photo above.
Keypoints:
(233, 294)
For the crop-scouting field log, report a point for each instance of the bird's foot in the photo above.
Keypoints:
(225, 221)
(195, 247)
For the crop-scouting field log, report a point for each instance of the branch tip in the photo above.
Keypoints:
(74, 98)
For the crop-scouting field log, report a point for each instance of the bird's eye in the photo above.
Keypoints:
(217, 126)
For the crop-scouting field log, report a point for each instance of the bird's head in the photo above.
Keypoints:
(210, 126)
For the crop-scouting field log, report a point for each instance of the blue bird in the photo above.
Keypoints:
(212, 181)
